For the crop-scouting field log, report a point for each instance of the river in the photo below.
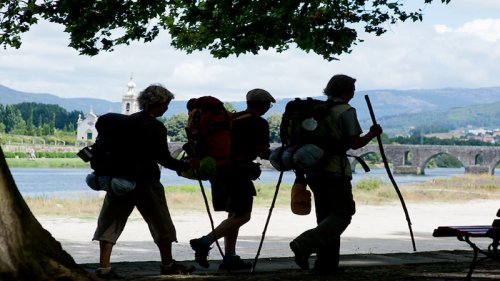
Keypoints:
(70, 182)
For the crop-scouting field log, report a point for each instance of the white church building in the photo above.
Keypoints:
(86, 132)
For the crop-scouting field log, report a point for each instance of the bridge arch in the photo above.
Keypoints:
(408, 157)
(478, 159)
(434, 156)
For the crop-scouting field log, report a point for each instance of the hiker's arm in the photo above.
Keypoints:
(358, 141)
(161, 152)
(352, 129)
(169, 162)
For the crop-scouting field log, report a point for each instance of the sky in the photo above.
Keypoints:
(456, 45)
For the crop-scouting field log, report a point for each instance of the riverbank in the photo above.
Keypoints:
(46, 163)
(368, 191)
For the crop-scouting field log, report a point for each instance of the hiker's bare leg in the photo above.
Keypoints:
(230, 241)
(165, 252)
(105, 249)
(230, 226)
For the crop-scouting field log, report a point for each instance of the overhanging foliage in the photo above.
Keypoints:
(224, 27)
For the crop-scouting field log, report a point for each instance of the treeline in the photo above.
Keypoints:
(176, 133)
(36, 119)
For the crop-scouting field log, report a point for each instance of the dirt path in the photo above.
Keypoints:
(374, 230)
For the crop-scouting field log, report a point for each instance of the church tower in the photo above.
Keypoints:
(129, 100)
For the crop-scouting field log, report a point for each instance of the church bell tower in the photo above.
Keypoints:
(129, 99)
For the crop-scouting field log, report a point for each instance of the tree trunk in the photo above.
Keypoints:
(27, 250)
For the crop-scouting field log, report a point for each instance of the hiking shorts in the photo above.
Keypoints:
(232, 191)
(149, 198)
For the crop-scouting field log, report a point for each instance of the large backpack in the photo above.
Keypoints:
(209, 134)
(306, 136)
(112, 155)
(113, 150)
(299, 116)
(208, 129)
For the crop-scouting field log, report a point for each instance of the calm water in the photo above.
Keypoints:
(61, 182)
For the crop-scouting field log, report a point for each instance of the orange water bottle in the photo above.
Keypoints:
(301, 197)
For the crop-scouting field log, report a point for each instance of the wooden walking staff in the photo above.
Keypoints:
(386, 165)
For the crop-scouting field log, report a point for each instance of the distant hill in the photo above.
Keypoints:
(393, 108)
(99, 106)
(477, 115)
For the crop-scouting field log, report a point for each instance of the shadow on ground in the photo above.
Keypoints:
(426, 266)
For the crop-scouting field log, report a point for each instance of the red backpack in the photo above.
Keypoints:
(208, 129)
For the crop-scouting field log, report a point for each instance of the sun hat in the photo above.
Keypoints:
(118, 186)
(121, 186)
(307, 156)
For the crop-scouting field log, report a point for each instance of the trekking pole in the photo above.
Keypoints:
(208, 211)
(388, 170)
(267, 221)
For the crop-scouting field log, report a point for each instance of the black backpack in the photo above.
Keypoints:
(112, 154)
(304, 122)
(292, 131)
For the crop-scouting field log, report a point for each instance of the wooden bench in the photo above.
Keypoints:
(466, 233)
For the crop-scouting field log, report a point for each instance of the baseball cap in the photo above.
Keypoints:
(260, 95)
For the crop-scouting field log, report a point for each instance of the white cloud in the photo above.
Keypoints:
(486, 29)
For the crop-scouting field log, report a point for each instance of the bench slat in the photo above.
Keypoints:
(469, 231)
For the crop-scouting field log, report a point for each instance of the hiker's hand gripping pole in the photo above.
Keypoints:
(388, 170)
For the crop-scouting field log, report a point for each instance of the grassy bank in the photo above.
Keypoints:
(46, 163)
(459, 188)
(371, 191)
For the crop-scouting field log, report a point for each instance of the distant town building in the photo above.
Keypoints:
(86, 132)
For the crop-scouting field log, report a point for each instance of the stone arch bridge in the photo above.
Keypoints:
(412, 159)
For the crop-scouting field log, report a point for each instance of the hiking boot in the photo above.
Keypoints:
(200, 252)
(177, 268)
(107, 274)
(235, 263)
(301, 258)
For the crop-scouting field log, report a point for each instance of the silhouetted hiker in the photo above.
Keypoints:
(233, 188)
(331, 183)
(150, 149)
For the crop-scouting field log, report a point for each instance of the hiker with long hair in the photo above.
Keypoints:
(150, 148)
(331, 182)
(233, 189)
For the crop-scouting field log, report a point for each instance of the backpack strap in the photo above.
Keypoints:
(242, 115)
(361, 161)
